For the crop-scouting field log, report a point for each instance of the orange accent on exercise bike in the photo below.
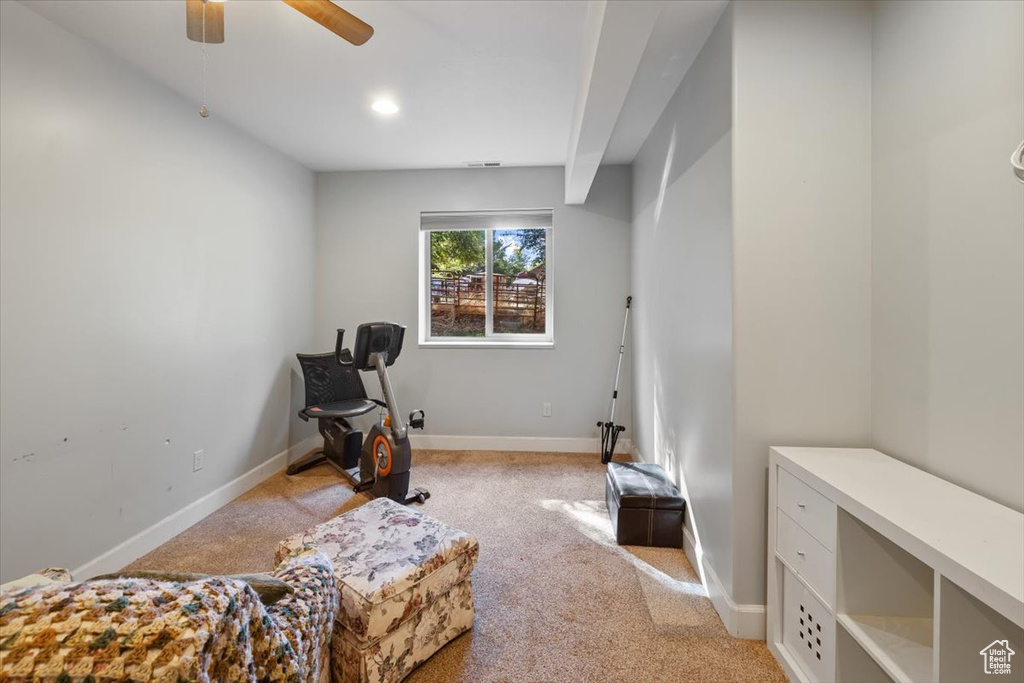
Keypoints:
(383, 469)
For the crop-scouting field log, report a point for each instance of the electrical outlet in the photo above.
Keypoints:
(546, 410)
(197, 460)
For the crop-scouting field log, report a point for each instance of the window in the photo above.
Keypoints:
(486, 279)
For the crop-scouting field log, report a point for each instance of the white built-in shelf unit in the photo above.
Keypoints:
(879, 572)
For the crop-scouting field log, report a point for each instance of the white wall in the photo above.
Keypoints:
(682, 282)
(367, 269)
(948, 242)
(802, 231)
(752, 247)
(156, 281)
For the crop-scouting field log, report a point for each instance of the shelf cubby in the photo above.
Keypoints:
(885, 601)
(853, 664)
(966, 627)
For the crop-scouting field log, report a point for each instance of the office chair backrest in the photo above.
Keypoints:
(327, 380)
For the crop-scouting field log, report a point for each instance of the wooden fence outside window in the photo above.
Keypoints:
(458, 303)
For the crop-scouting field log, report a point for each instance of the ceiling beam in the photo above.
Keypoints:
(616, 37)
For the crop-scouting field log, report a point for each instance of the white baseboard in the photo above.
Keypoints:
(690, 548)
(539, 444)
(741, 621)
(173, 524)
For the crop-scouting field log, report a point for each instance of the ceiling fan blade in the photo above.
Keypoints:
(214, 21)
(333, 18)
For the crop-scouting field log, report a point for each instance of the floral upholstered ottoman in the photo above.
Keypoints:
(404, 588)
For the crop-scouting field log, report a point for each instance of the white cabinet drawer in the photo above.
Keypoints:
(808, 630)
(810, 559)
(808, 508)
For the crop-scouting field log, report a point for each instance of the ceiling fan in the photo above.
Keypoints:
(324, 12)
(205, 24)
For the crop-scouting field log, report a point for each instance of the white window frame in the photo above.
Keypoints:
(489, 222)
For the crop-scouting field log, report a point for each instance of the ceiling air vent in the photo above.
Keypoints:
(483, 164)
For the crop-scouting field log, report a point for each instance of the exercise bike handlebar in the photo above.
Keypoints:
(339, 348)
(379, 360)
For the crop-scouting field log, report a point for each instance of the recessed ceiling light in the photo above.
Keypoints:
(386, 107)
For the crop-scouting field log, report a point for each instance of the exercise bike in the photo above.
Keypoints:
(335, 394)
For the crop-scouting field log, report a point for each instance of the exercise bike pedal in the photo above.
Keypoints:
(417, 419)
(363, 486)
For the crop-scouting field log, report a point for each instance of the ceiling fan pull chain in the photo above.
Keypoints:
(203, 111)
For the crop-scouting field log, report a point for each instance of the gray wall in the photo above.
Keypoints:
(802, 231)
(367, 269)
(155, 280)
(948, 242)
(682, 279)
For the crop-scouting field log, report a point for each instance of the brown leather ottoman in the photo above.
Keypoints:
(645, 506)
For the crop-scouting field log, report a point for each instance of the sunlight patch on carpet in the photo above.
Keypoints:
(672, 591)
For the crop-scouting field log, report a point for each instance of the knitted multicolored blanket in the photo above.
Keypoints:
(215, 629)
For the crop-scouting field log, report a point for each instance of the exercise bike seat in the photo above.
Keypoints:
(352, 407)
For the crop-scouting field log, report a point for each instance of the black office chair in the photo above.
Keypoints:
(334, 394)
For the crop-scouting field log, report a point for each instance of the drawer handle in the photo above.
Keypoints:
(801, 505)
(800, 553)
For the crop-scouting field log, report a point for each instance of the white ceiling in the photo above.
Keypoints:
(476, 81)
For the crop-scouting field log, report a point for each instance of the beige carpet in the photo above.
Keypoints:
(556, 599)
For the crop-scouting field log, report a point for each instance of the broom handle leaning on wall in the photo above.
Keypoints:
(618, 367)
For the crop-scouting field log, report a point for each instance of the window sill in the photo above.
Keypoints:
(489, 344)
